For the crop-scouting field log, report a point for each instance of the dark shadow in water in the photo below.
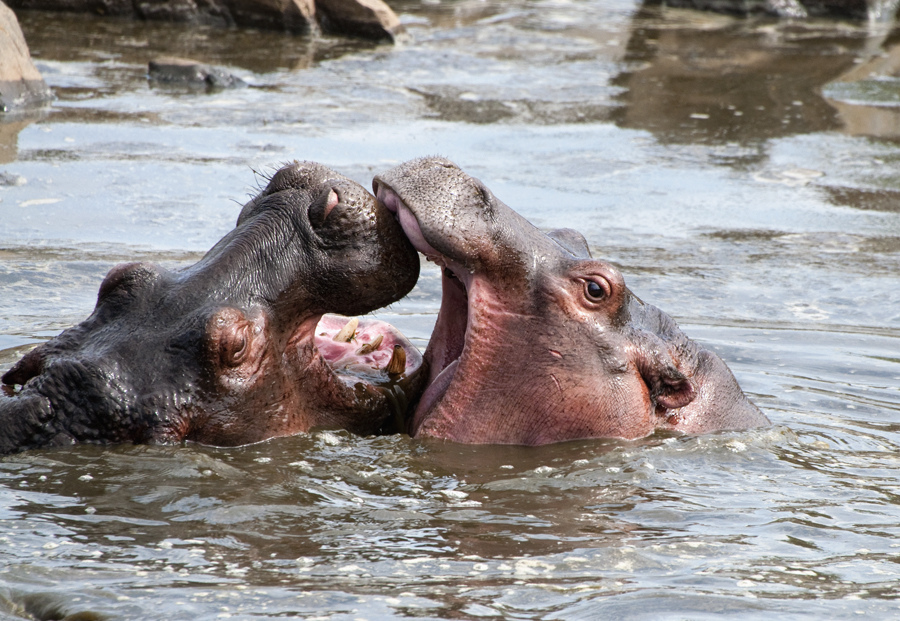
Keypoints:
(867, 95)
(874, 200)
(44, 606)
(10, 126)
(714, 80)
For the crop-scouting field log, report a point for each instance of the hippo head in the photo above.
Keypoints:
(537, 342)
(234, 349)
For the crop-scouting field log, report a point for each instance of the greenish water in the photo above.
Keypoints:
(740, 179)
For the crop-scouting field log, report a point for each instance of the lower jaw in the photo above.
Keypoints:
(445, 348)
(429, 400)
(361, 386)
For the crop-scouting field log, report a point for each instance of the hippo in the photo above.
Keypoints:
(536, 342)
(242, 346)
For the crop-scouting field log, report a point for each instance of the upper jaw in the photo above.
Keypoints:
(407, 219)
(413, 231)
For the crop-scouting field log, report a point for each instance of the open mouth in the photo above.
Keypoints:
(377, 366)
(448, 340)
(365, 350)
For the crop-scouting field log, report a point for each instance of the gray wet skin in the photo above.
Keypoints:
(222, 352)
(535, 341)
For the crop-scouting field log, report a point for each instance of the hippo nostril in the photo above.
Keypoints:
(329, 198)
(31, 365)
(331, 202)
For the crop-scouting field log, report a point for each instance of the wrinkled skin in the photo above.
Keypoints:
(535, 341)
(224, 352)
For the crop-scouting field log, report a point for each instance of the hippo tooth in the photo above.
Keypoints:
(347, 333)
(368, 348)
(397, 364)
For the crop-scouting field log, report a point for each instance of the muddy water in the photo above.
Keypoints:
(743, 174)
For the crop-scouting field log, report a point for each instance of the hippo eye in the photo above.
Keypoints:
(595, 291)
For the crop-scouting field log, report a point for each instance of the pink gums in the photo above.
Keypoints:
(343, 357)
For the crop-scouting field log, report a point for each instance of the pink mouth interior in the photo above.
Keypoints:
(345, 357)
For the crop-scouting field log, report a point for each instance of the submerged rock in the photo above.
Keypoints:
(845, 9)
(21, 84)
(175, 71)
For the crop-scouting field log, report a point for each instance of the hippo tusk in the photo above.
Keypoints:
(397, 364)
(368, 348)
(347, 333)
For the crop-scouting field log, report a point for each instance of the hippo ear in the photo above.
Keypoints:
(30, 365)
(669, 387)
(232, 338)
(572, 241)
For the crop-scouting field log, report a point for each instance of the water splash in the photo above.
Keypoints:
(882, 12)
(787, 8)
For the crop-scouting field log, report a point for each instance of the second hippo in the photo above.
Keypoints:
(535, 341)
(236, 348)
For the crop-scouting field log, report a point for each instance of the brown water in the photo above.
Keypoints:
(743, 174)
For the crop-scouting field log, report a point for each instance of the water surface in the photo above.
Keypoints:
(743, 175)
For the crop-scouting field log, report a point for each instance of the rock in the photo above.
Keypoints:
(297, 16)
(170, 70)
(369, 19)
(11, 179)
(21, 85)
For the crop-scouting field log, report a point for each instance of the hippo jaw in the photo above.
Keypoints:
(228, 351)
(468, 291)
(536, 342)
